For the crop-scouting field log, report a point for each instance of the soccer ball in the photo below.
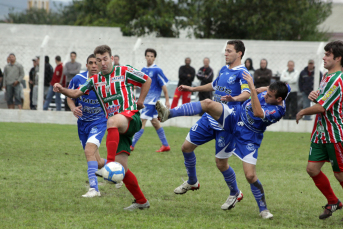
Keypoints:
(114, 172)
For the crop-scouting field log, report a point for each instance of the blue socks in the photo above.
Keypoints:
(137, 136)
(105, 162)
(190, 162)
(188, 109)
(162, 136)
(230, 179)
(257, 191)
(92, 168)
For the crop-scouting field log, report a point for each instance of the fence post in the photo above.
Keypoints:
(41, 73)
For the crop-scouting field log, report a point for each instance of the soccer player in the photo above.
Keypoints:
(114, 89)
(245, 125)
(231, 83)
(158, 84)
(91, 124)
(327, 133)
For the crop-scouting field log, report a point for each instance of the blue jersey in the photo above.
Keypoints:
(229, 82)
(158, 80)
(272, 114)
(91, 109)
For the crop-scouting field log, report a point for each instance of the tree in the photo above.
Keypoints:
(32, 16)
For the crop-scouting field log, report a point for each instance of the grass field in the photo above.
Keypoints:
(44, 173)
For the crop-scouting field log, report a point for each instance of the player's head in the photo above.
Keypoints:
(150, 55)
(276, 92)
(263, 64)
(91, 65)
(234, 52)
(206, 61)
(333, 55)
(116, 59)
(188, 61)
(73, 56)
(104, 58)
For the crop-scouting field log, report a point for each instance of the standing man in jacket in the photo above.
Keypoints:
(186, 77)
(205, 75)
(263, 75)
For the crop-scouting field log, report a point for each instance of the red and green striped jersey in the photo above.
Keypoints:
(115, 90)
(328, 126)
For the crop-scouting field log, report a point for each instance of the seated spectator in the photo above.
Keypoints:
(291, 76)
(306, 80)
(263, 75)
(249, 66)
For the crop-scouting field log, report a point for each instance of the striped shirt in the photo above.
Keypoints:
(328, 126)
(115, 90)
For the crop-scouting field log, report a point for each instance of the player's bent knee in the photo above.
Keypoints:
(339, 176)
(312, 171)
(222, 164)
(251, 177)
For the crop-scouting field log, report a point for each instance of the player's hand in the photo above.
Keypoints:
(140, 105)
(77, 112)
(313, 96)
(167, 104)
(249, 79)
(299, 116)
(184, 88)
(58, 87)
(228, 98)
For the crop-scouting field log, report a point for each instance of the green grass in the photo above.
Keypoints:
(44, 173)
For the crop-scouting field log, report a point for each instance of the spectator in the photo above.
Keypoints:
(205, 75)
(32, 74)
(13, 75)
(263, 75)
(306, 80)
(116, 60)
(35, 86)
(70, 69)
(186, 77)
(56, 78)
(291, 77)
(249, 66)
(48, 72)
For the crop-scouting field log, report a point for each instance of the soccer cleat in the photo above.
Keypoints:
(91, 193)
(266, 214)
(163, 149)
(119, 185)
(132, 148)
(232, 200)
(135, 206)
(98, 173)
(329, 209)
(186, 187)
(162, 111)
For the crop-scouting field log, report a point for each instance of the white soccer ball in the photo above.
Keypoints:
(114, 172)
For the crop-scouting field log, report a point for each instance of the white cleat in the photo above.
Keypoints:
(232, 200)
(135, 206)
(162, 111)
(266, 214)
(182, 189)
(91, 193)
(99, 173)
(119, 185)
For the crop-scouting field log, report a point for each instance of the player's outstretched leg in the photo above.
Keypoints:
(188, 109)
(165, 146)
(135, 138)
(192, 183)
(93, 181)
(131, 184)
(258, 192)
(235, 194)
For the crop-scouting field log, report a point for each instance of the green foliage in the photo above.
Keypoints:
(241, 19)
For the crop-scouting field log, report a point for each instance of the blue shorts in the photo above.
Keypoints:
(91, 132)
(202, 131)
(149, 112)
(246, 141)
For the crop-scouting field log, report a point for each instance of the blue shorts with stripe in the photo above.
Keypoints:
(91, 132)
(149, 112)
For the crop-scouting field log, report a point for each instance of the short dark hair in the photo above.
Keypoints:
(11, 54)
(151, 50)
(90, 56)
(116, 56)
(239, 46)
(47, 59)
(102, 49)
(336, 48)
(73, 52)
(58, 58)
(280, 88)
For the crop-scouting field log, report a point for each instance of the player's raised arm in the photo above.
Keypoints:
(206, 87)
(144, 91)
(255, 103)
(71, 93)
